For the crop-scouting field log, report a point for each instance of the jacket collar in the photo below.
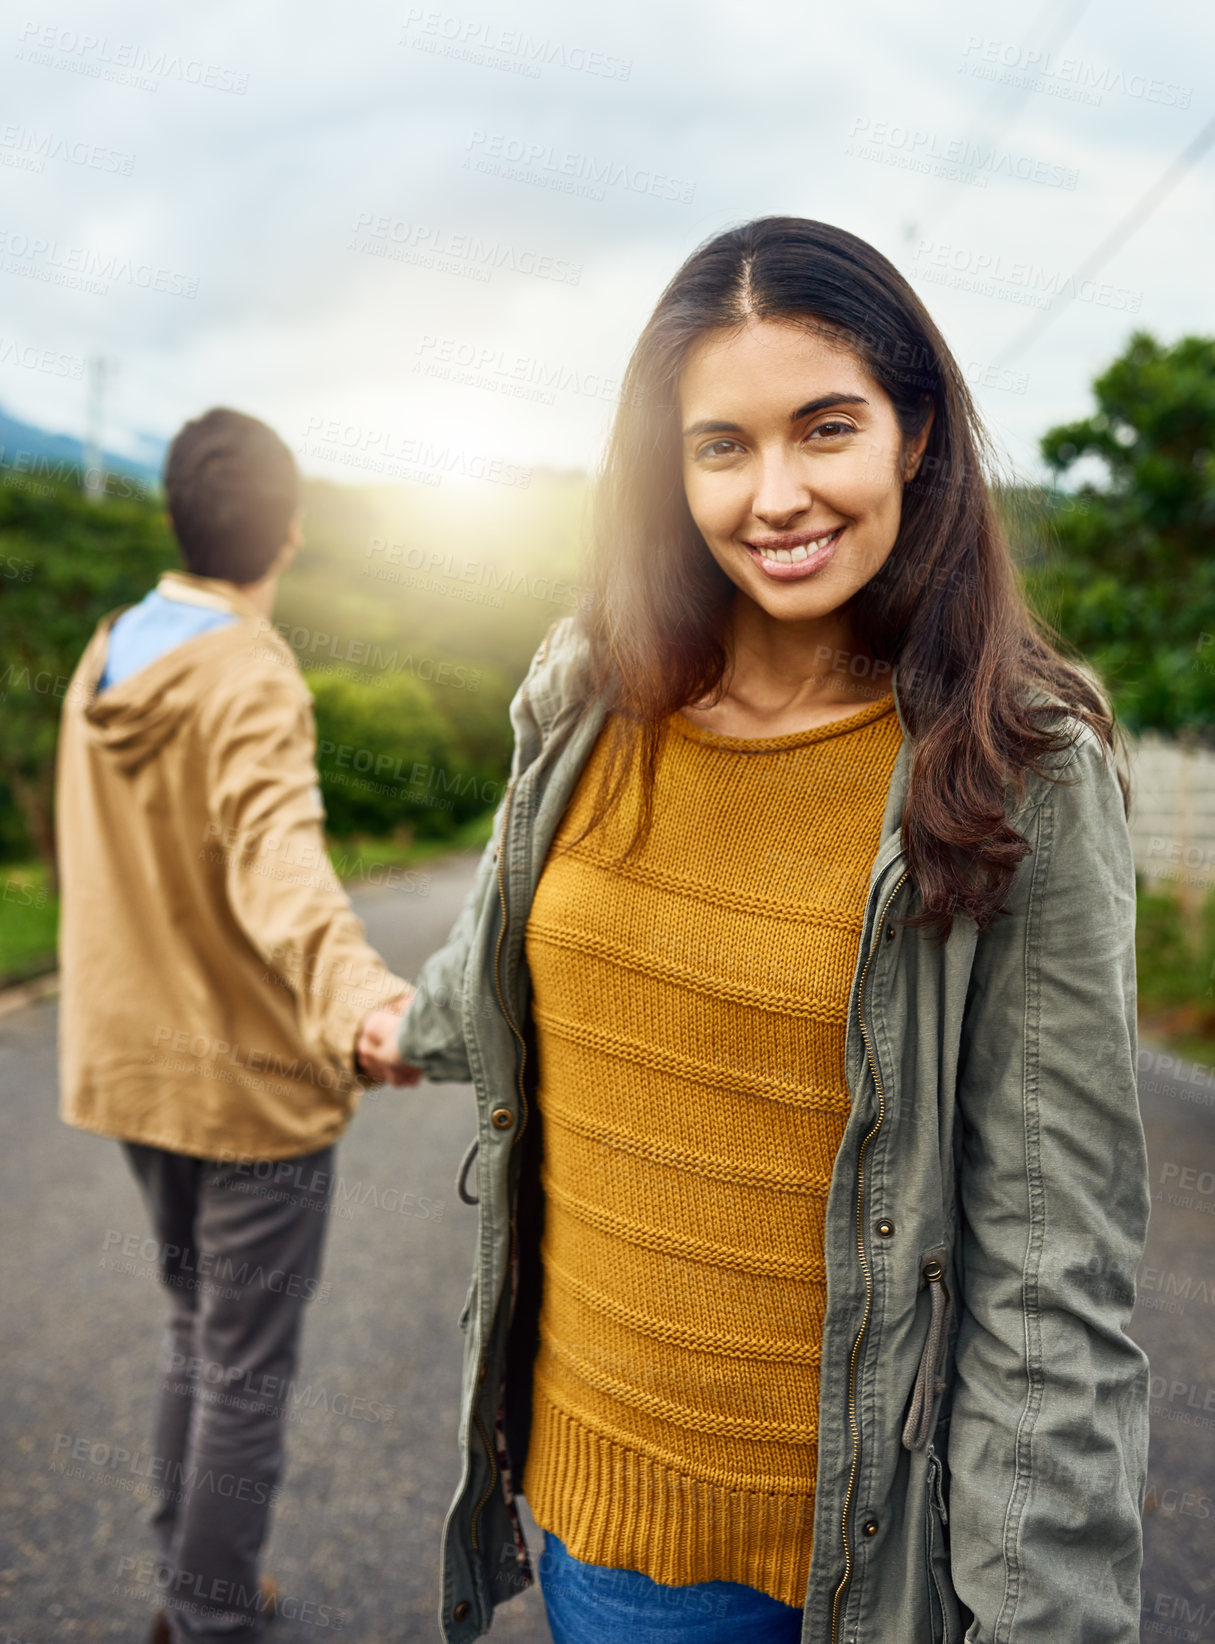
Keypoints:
(898, 706)
(554, 681)
(556, 684)
(212, 592)
(899, 778)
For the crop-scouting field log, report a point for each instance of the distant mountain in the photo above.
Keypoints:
(26, 447)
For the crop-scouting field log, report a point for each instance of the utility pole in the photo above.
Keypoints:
(94, 473)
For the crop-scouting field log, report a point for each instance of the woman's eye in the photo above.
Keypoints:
(718, 448)
(831, 430)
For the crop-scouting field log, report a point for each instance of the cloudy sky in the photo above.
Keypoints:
(393, 230)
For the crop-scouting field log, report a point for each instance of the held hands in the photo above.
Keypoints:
(376, 1053)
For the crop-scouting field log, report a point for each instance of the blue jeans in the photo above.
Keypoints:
(591, 1604)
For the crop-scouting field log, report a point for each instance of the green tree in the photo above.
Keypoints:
(1133, 587)
(64, 562)
(388, 759)
(418, 737)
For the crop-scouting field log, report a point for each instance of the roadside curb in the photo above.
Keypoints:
(25, 993)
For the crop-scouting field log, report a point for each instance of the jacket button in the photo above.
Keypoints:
(886, 1228)
(890, 933)
(870, 1527)
(461, 1610)
(502, 1118)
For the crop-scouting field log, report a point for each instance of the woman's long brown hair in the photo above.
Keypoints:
(947, 605)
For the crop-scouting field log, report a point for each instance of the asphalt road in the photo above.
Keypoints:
(372, 1458)
(356, 1533)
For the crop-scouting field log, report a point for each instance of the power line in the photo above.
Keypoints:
(983, 125)
(1114, 240)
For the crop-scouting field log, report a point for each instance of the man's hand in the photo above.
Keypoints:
(376, 1052)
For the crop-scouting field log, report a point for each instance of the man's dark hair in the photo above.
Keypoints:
(231, 487)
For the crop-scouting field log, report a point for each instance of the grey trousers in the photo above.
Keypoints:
(240, 1254)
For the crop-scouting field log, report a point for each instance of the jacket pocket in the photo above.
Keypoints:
(942, 1601)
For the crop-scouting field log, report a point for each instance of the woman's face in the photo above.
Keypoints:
(793, 465)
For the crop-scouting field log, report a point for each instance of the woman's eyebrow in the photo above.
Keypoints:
(825, 400)
(711, 428)
(807, 410)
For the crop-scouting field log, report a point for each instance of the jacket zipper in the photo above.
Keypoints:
(865, 1268)
(489, 1448)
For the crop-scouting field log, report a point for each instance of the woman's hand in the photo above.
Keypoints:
(376, 1053)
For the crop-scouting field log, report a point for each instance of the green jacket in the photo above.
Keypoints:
(983, 1414)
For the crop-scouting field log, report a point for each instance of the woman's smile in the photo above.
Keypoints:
(800, 554)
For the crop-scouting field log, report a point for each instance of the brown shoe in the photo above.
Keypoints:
(160, 1633)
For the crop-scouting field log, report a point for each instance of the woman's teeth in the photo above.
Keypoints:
(794, 556)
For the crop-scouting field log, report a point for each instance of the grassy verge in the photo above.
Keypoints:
(1176, 957)
(29, 922)
(1176, 950)
(29, 912)
(356, 860)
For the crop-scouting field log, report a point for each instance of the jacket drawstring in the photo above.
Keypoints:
(470, 1154)
(928, 1382)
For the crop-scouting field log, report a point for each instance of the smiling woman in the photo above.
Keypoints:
(798, 987)
(791, 392)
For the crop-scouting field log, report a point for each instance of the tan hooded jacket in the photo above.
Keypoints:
(213, 973)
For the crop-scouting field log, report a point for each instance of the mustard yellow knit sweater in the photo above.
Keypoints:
(690, 1014)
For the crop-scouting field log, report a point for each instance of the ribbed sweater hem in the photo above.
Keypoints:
(613, 1506)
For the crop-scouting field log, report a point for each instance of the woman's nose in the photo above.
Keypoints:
(781, 492)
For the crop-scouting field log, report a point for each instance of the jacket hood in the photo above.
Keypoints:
(135, 718)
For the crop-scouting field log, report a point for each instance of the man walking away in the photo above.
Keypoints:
(220, 1008)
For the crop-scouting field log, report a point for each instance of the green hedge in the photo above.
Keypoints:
(394, 753)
